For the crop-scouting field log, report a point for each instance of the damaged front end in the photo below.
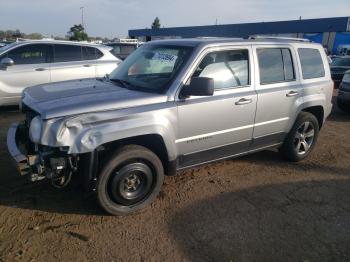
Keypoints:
(38, 161)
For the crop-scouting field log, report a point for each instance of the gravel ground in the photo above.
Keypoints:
(254, 208)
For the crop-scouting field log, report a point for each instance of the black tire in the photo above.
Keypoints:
(130, 180)
(299, 143)
(343, 105)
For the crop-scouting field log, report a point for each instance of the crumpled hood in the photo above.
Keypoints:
(84, 96)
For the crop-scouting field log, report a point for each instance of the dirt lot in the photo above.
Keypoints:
(254, 208)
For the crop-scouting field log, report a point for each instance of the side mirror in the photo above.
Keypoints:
(199, 86)
(5, 62)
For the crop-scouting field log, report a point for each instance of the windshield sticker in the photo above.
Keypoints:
(166, 58)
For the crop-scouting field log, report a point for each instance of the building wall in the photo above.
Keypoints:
(330, 32)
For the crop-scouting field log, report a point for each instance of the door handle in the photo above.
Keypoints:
(292, 93)
(244, 101)
(87, 65)
(40, 69)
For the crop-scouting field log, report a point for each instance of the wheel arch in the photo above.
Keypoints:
(153, 142)
(318, 112)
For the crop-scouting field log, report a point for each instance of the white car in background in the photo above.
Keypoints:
(34, 62)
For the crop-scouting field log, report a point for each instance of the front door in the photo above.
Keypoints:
(221, 125)
(31, 67)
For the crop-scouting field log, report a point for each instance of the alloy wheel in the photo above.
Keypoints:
(304, 138)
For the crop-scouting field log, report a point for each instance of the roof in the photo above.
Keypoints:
(217, 40)
(119, 44)
(333, 24)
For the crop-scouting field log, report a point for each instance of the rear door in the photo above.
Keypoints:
(69, 63)
(31, 67)
(279, 93)
(221, 125)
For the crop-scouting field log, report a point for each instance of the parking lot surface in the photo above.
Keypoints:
(253, 208)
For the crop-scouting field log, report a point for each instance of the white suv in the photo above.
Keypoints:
(35, 62)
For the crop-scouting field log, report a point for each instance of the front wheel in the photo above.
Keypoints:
(130, 180)
(302, 138)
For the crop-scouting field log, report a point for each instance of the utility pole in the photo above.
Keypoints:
(82, 16)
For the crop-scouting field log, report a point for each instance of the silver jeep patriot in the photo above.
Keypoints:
(171, 105)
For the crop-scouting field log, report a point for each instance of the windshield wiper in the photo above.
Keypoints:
(125, 84)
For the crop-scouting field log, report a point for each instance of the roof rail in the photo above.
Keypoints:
(19, 39)
(279, 38)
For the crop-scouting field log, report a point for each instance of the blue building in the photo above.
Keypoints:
(332, 32)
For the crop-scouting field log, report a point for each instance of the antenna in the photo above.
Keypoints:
(82, 16)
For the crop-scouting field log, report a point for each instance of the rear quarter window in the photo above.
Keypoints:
(311, 63)
(91, 53)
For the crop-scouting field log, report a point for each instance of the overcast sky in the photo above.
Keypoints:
(113, 18)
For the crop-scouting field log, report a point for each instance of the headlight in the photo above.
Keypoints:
(35, 129)
(346, 78)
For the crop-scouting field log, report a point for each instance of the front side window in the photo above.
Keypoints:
(67, 53)
(227, 68)
(311, 63)
(275, 65)
(127, 49)
(123, 49)
(116, 50)
(29, 54)
(8, 46)
(151, 68)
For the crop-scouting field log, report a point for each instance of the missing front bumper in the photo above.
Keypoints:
(50, 163)
(21, 160)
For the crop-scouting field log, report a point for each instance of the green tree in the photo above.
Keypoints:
(156, 23)
(77, 33)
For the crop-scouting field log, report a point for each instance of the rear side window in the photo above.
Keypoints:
(67, 53)
(229, 69)
(311, 63)
(287, 65)
(91, 53)
(275, 65)
(29, 54)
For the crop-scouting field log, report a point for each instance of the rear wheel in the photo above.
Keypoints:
(130, 180)
(302, 138)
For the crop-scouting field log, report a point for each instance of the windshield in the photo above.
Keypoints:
(6, 47)
(341, 61)
(152, 68)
